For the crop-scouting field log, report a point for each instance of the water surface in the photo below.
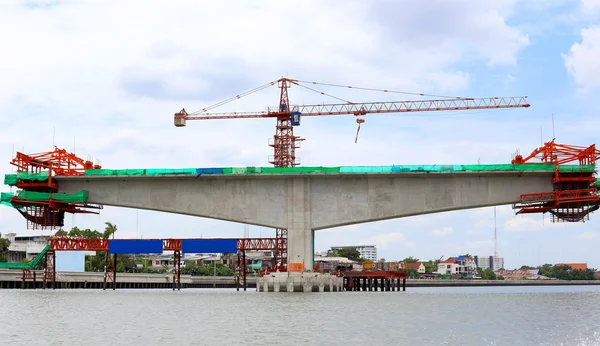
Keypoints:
(568, 315)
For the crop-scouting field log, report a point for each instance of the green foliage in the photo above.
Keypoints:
(431, 266)
(88, 233)
(206, 269)
(410, 259)
(109, 230)
(487, 274)
(77, 232)
(526, 268)
(25, 261)
(4, 245)
(566, 272)
(412, 273)
(351, 254)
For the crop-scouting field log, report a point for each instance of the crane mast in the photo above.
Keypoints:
(285, 143)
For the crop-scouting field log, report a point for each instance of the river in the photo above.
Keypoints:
(567, 315)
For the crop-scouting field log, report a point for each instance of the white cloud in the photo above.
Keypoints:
(389, 240)
(530, 224)
(581, 61)
(442, 232)
(588, 235)
(590, 6)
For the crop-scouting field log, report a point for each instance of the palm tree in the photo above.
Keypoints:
(109, 230)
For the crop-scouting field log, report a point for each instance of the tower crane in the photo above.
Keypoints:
(285, 143)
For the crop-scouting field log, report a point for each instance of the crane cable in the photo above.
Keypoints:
(380, 90)
(322, 93)
(204, 110)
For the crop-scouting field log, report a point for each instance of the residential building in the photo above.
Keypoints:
(368, 252)
(490, 262)
(22, 247)
(419, 266)
(460, 266)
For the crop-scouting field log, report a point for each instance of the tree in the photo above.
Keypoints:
(109, 230)
(61, 232)
(206, 269)
(410, 259)
(412, 273)
(431, 266)
(349, 253)
(4, 245)
(524, 267)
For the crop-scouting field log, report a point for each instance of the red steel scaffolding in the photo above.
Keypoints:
(50, 213)
(575, 193)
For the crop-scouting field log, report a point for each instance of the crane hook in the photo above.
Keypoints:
(358, 121)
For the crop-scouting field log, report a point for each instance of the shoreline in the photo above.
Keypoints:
(11, 279)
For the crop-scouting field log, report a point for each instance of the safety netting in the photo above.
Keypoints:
(5, 198)
(31, 196)
(341, 169)
(13, 179)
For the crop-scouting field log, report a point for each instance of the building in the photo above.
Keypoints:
(368, 252)
(418, 266)
(459, 266)
(490, 262)
(22, 247)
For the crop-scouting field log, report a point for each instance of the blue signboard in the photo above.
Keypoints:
(209, 245)
(295, 118)
(135, 246)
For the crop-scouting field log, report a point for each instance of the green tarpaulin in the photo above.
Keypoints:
(79, 197)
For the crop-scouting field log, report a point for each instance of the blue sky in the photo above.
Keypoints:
(108, 75)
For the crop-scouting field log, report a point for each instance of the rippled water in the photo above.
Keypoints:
(431, 316)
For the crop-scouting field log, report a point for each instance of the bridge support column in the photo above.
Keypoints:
(299, 221)
(300, 276)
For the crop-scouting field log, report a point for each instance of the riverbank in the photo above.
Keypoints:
(12, 279)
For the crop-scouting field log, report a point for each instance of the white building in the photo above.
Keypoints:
(460, 266)
(25, 246)
(366, 251)
(490, 262)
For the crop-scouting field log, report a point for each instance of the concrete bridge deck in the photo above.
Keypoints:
(331, 199)
(303, 203)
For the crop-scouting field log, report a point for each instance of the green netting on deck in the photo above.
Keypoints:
(343, 169)
(32, 176)
(165, 171)
(296, 170)
(5, 198)
(576, 168)
(366, 169)
(79, 197)
(10, 179)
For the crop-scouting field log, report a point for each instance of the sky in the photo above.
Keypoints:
(104, 78)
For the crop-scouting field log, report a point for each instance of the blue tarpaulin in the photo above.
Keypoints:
(200, 171)
(135, 246)
(209, 245)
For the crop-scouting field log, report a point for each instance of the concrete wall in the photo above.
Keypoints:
(313, 201)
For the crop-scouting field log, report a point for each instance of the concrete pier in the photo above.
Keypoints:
(299, 282)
